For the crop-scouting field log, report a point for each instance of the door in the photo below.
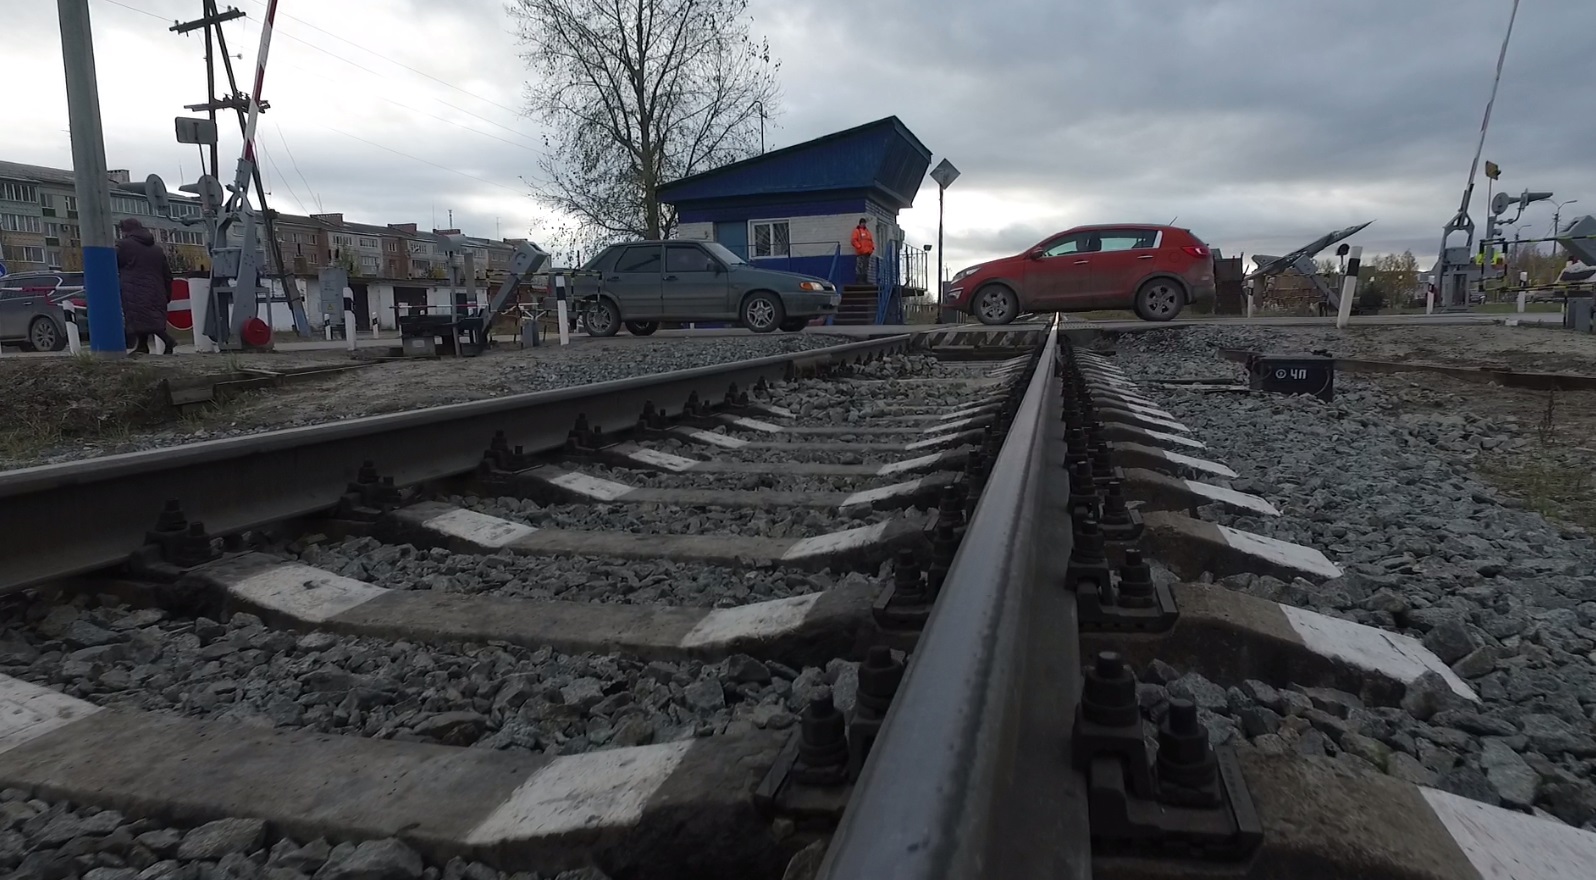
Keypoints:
(362, 307)
(634, 282)
(696, 286)
(733, 237)
(1120, 260)
(1055, 278)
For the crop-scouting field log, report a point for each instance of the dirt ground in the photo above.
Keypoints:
(59, 408)
(1552, 472)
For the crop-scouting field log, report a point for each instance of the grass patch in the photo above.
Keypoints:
(53, 401)
(1553, 489)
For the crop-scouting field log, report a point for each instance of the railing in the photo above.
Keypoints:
(970, 776)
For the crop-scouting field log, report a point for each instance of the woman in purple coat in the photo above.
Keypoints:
(146, 286)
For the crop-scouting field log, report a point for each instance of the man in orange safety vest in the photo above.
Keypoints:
(863, 246)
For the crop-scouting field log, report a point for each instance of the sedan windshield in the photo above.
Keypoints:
(720, 252)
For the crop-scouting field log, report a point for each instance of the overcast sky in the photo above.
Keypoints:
(1261, 124)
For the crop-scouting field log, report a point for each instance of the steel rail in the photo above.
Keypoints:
(971, 777)
(64, 519)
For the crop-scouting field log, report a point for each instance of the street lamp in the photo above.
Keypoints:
(944, 174)
(1557, 217)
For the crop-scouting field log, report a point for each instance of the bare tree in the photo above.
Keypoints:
(637, 93)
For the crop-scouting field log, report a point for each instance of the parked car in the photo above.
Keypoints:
(36, 306)
(640, 284)
(1154, 270)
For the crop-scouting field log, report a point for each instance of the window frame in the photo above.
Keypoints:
(753, 238)
(1139, 233)
(659, 258)
(1044, 250)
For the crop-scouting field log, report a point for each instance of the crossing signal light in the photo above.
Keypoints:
(1493, 170)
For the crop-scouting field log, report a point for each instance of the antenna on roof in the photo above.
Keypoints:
(1172, 220)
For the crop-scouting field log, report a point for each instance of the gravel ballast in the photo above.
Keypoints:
(51, 840)
(389, 387)
(485, 696)
(664, 519)
(770, 481)
(578, 579)
(1504, 596)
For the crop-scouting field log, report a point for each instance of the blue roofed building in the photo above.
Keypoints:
(795, 209)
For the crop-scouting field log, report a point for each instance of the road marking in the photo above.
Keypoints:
(713, 438)
(761, 619)
(754, 424)
(835, 542)
(1174, 438)
(305, 593)
(1403, 658)
(882, 493)
(1196, 464)
(949, 426)
(1154, 420)
(1280, 552)
(1232, 497)
(662, 459)
(1505, 845)
(780, 412)
(478, 528)
(28, 711)
(604, 789)
(591, 486)
(909, 464)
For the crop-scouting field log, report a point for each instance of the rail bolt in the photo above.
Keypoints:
(822, 744)
(879, 677)
(1185, 759)
(1136, 588)
(1108, 696)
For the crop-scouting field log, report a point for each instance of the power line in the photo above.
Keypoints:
(282, 177)
(424, 161)
(394, 62)
(160, 18)
(295, 162)
(279, 32)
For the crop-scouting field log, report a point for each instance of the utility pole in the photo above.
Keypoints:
(100, 285)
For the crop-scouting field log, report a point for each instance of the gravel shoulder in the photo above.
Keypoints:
(59, 409)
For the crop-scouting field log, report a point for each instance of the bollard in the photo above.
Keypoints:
(1522, 297)
(349, 330)
(1429, 302)
(1349, 287)
(74, 341)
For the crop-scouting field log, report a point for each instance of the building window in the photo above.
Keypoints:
(771, 238)
(342, 240)
(53, 258)
(71, 202)
(24, 254)
(390, 246)
(47, 200)
(368, 263)
(52, 229)
(368, 242)
(20, 223)
(18, 192)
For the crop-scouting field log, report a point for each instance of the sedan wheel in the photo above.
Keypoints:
(44, 336)
(603, 318)
(1160, 299)
(641, 328)
(763, 313)
(793, 325)
(996, 304)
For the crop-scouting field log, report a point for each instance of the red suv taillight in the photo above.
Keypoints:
(1195, 251)
(80, 303)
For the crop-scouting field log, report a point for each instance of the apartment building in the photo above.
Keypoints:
(39, 231)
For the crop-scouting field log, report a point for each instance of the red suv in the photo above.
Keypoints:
(1155, 270)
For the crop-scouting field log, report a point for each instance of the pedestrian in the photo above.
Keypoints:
(864, 244)
(146, 279)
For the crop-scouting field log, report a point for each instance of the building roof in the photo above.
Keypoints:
(36, 173)
(883, 158)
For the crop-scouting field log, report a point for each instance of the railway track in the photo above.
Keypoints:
(861, 612)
